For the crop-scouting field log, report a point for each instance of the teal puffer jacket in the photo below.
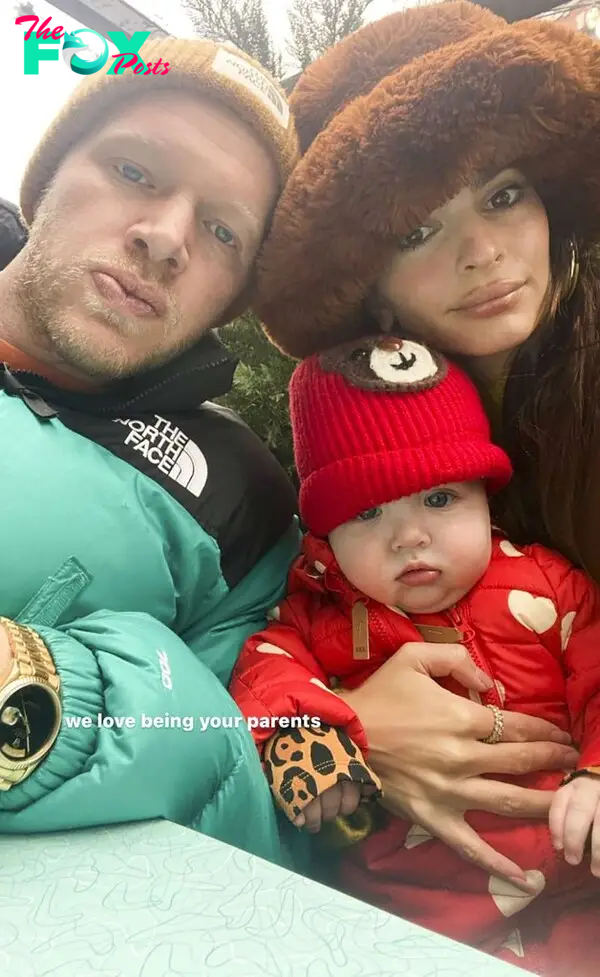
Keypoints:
(144, 539)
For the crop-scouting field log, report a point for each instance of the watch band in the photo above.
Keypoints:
(33, 675)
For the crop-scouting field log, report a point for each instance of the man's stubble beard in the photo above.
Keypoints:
(61, 330)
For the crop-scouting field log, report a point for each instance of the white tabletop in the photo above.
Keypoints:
(158, 900)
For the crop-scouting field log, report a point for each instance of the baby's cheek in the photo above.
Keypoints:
(470, 566)
(371, 572)
(374, 578)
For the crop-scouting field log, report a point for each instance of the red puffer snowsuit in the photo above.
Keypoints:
(533, 624)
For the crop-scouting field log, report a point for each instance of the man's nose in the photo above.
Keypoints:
(162, 236)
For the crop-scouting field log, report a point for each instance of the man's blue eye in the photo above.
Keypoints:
(369, 514)
(222, 233)
(131, 172)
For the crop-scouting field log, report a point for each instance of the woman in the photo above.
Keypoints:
(449, 187)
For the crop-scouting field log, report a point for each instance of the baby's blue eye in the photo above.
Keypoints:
(438, 500)
(369, 514)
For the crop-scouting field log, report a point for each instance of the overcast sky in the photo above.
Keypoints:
(29, 102)
(276, 11)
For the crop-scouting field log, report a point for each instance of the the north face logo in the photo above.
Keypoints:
(166, 446)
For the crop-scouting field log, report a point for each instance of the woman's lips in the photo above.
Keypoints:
(490, 307)
(419, 577)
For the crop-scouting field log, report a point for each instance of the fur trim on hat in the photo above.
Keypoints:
(526, 95)
(358, 63)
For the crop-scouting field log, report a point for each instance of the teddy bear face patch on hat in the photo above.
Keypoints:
(387, 364)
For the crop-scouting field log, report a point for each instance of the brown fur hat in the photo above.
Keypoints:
(393, 121)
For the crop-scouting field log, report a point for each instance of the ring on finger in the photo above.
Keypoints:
(498, 727)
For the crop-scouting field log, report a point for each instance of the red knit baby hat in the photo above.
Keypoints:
(380, 418)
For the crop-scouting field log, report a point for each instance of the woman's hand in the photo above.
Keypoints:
(423, 743)
(5, 656)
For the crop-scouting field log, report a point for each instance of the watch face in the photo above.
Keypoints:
(26, 721)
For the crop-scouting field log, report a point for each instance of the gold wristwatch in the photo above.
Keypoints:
(30, 706)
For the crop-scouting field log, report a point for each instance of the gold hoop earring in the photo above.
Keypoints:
(573, 273)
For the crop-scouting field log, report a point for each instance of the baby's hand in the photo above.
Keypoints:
(573, 812)
(342, 798)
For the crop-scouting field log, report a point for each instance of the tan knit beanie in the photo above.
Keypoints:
(197, 67)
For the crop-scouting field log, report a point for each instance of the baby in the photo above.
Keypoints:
(395, 460)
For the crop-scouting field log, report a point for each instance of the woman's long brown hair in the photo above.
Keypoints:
(551, 414)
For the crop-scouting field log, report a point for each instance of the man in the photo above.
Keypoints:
(145, 531)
